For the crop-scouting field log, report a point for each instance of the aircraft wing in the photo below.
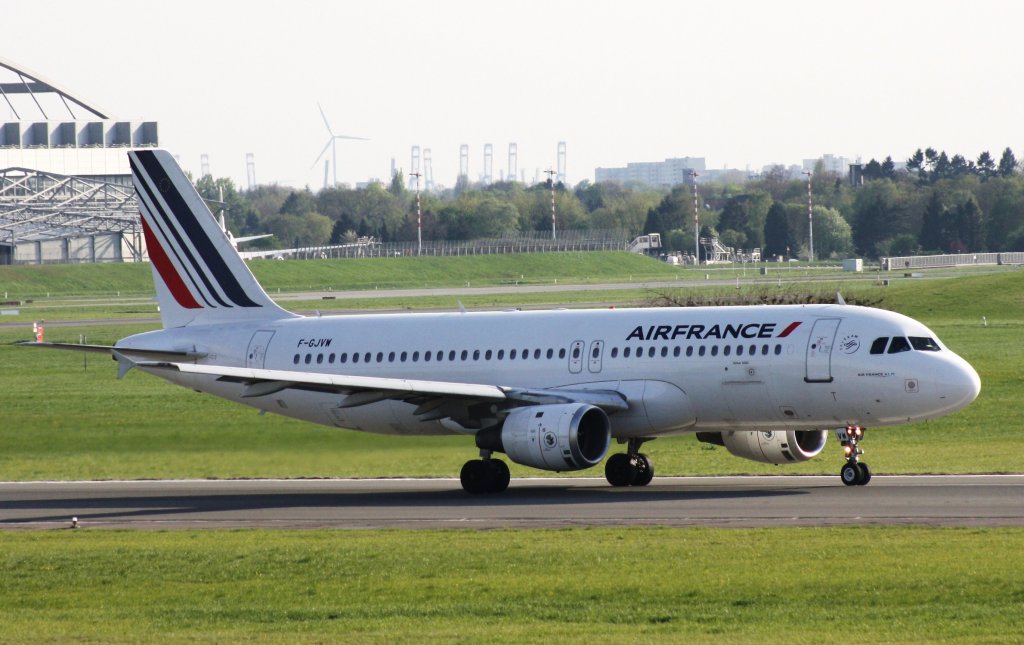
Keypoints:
(436, 399)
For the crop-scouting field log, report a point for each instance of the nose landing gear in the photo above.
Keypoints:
(853, 472)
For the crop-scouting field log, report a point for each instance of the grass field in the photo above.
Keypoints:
(22, 282)
(909, 585)
(63, 419)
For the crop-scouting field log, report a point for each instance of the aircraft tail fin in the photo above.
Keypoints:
(199, 276)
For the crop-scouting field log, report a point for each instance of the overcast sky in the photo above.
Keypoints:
(739, 83)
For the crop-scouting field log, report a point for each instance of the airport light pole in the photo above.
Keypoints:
(550, 173)
(810, 219)
(696, 221)
(419, 215)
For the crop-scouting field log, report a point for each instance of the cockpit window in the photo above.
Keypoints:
(899, 344)
(924, 344)
(878, 347)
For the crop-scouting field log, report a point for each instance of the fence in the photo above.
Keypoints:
(951, 260)
(567, 241)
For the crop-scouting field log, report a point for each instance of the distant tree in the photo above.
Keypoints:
(933, 236)
(832, 233)
(916, 164)
(779, 238)
(889, 168)
(959, 166)
(970, 225)
(397, 185)
(872, 170)
(1007, 163)
(986, 166)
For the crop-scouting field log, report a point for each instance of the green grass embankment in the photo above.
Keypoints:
(820, 585)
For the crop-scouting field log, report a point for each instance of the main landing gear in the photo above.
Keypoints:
(630, 468)
(853, 473)
(485, 475)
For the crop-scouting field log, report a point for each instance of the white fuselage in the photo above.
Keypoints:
(681, 369)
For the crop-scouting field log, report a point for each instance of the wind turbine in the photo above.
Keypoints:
(332, 143)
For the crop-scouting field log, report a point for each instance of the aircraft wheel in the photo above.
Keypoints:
(865, 474)
(619, 471)
(499, 475)
(850, 474)
(475, 476)
(644, 471)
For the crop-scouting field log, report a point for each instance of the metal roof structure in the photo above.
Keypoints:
(39, 89)
(63, 165)
(38, 205)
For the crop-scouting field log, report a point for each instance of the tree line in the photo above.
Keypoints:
(938, 203)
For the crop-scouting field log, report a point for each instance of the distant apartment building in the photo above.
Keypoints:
(670, 172)
(831, 163)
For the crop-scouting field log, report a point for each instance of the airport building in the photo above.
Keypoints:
(65, 186)
(668, 173)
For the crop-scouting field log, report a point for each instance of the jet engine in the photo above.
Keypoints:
(562, 437)
(772, 447)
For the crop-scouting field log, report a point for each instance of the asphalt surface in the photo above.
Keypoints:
(973, 500)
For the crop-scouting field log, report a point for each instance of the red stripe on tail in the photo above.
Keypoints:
(166, 270)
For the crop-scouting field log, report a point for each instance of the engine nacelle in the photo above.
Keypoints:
(772, 447)
(562, 437)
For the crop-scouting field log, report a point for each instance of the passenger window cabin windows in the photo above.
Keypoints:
(701, 350)
(415, 357)
(726, 350)
(330, 359)
(319, 359)
(924, 344)
(778, 349)
(689, 351)
(366, 357)
(451, 356)
(764, 350)
(551, 353)
(625, 353)
(664, 352)
(650, 352)
(426, 357)
(501, 354)
(296, 359)
(561, 353)
(714, 350)
(512, 355)
(380, 357)
(464, 355)
(753, 350)
(739, 350)
(676, 351)
(309, 358)
(391, 357)
(476, 354)
(615, 352)
(355, 357)
(878, 346)
(575, 353)
(488, 354)
(525, 354)
(899, 344)
(536, 353)
(343, 358)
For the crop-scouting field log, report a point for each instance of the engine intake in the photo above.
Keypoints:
(561, 437)
(773, 447)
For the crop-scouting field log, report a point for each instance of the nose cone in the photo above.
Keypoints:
(959, 384)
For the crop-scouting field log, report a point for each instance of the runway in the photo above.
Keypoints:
(987, 500)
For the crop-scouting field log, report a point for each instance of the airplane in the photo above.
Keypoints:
(549, 389)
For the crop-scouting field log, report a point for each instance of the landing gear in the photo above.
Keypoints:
(485, 476)
(853, 472)
(631, 468)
